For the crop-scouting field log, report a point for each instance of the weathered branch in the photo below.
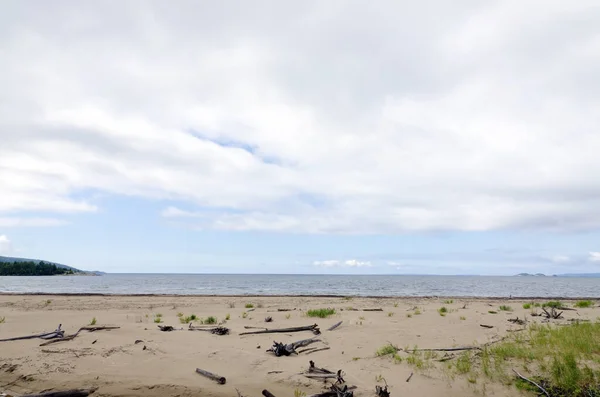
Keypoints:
(372, 310)
(58, 333)
(217, 378)
(267, 393)
(85, 328)
(486, 326)
(314, 328)
(318, 350)
(532, 382)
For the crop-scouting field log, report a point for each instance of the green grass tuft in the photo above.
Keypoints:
(386, 350)
(188, 319)
(526, 305)
(417, 312)
(321, 313)
(492, 312)
(249, 306)
(93, 322)
(210, 320)
(442, 311)
(506, 308)
(228, 316)
(2, 320)
(449, 302)
(463, 318)
(583, 304)
(554, 304)
(390, 314)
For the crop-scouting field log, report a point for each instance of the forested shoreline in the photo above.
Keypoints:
(32, 268)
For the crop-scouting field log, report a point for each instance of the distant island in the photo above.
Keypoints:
(34, 267)
(559, 275)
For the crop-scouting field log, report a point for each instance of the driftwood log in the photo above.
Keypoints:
(334, 392)
(552, 314)
(217, 378)
(89, 328)
(267, 393)
(212, 330)
(373, 310)
(65, 393)
(314, 328)
(58, 333)
(312, 368)
(486, 326)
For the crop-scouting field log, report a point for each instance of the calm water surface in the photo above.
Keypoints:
(237, 284)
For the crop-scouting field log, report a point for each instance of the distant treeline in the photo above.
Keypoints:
(30, 268)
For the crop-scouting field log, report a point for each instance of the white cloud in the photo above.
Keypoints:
(327, 263)
(450, 129)
(347, 263)
(594, 257)
(5, 245)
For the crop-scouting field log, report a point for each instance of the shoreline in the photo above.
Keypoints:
(404, 297)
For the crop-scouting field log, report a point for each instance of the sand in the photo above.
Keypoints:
(117, 366)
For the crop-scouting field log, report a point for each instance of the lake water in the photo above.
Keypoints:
(237, 284)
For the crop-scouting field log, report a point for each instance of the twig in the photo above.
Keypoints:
(532, 382)
(446, 349)
(334, 326)
(486, 326)
(318, 350)
(372, 310)
(409, 377)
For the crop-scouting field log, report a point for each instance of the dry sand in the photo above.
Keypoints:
(119, 367)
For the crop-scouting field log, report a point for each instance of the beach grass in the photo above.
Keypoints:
(321, 313)
(506, 308)
(443, 311)
(210, 320)
(93, 322)
(584, 304)
(554, 304)
(2, 320)
(526, 305)
(188, 319)
(249, 306)
(565, 360)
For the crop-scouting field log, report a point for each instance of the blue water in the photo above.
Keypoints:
(393, 285)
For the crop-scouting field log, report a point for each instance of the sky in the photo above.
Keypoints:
(396, 137)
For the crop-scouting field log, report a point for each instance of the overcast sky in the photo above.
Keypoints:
(306, 136)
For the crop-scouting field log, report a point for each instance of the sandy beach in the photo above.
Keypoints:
(164, 363)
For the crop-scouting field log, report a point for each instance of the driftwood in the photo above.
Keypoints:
(334, 326)
(532, 382)
(335, 392)
(318, 350)
(284, 310)
(58, 333)
(89, 328)
(382, 391)
(552, 314)
(267, 393)
(65, 393)
(517, 320)
(314, 369)
(280, 349)
(249, 327)
(338, 376)
(486, 326)
(166, 328)
(213, 330)
(268, 319)
(217, 378)
(372, 310)
(409, 377)
(314, 328)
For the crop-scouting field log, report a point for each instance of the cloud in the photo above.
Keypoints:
(594, 257)
(360, 126)
(5, 245)
(347, 263)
